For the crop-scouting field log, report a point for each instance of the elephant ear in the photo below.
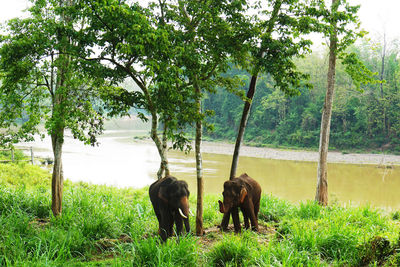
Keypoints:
(243, 194)
(162, 194)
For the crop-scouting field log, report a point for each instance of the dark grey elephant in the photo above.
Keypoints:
(242, 192)
(170, 199)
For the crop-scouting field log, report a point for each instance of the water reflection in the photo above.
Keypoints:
(119, 161)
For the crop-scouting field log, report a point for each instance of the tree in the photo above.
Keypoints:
(279, 42)
(133, 42)
(322, 185)
(337, 26)
(42, 83)
(356, 121)
(208, 33)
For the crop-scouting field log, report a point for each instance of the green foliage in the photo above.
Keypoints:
(233, 251)
(150, 252)
(377, 250)
(274, 209)
(309, 210)
(357, 117)
(334, 233)
(19, 175)
(285, 254)
(42, 82)
(7, 155)
(108, 226)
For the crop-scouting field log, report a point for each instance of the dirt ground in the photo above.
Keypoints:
(299, 155)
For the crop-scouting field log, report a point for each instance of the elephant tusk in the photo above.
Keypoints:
(181, 213)
(190, 212)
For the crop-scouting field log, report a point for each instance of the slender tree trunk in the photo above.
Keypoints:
(322, 176)
(164, 160)
(199, 167)
(161, 146)
(57, 138)
(251, 91)
(57, 182)
(57, 133)
(381, 85)
(243, 123)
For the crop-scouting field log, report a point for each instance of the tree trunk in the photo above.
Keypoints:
(322, 176)
(57, 133)
(252, 89)
(243, 123)
(162, 151)
(161, 145)
(381, 85)
(57, 182)
(164, 166)
(199, 167)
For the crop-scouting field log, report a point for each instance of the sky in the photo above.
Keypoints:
(377, 16)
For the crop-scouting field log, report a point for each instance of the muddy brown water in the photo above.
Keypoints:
(296, 181)
(121, 161)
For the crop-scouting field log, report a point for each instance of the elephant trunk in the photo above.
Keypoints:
(184, 211)
(223, 208)
(183, 208)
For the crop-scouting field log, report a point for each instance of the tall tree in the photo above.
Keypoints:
(279, 43)
(134, 42)
(42, 83)
(382, 73)
(209, 33)
(338, 22)
(322, 184)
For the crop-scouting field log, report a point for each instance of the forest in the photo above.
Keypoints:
(365, 119)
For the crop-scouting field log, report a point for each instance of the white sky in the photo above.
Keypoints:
(376, 16)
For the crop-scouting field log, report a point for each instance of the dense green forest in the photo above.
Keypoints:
(365, 119)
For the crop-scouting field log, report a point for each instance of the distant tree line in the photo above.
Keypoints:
(366, 119)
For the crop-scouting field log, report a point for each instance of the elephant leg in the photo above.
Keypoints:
(158, 214)
(245, 218)
(236, 221)
(171, 225)
(166, 224)
(225, 221)
(256, 208)
(253, 217)
(187, 225)
(178, 223)
(163, 232)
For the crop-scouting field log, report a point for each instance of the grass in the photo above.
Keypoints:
(106, 226)
(7, 155)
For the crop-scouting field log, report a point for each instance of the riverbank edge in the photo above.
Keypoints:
(219, 147)
(301, 155)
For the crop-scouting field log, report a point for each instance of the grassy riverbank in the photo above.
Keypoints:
(108, 226)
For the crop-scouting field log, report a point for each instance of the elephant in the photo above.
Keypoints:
(243, 192)
(170, 200)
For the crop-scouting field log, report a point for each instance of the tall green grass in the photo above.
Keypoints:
(106, 226)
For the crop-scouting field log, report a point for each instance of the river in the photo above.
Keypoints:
(121, 161)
